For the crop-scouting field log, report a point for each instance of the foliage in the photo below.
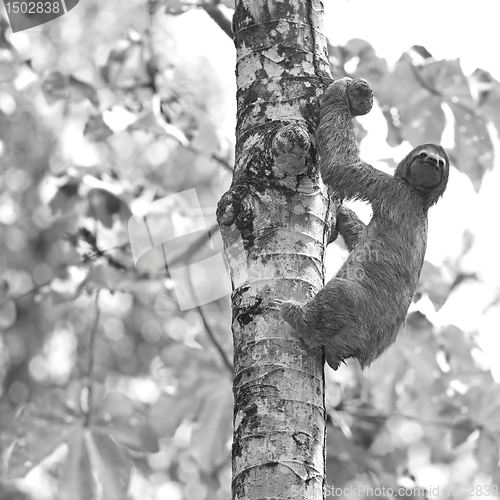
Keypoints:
(412, 96)
(106, 384)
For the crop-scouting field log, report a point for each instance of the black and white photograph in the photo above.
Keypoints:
(248, 250)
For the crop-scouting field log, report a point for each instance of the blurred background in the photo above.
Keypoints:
(116, 105)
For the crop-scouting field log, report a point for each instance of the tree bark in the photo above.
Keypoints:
(275, 222)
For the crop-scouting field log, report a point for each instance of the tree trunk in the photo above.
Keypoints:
(275, 222)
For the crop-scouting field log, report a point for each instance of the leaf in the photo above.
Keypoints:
(87, 236)
(79, 91)
(146, 292)
(420, 349)
(76, 481)
(112, 467)
(458, 346)
(393, 138)
(448, 80)
(8, 71)
(125, 67)
(176, 7)
(135, 434)
(8, 313)
(118, 417)
(55, 419)
(473, 151)
(41, 428)
(65, 198)
(435, 283)
(486, 452)
(56, 86)
(7, 416)
(370, 66)
(103, 205)
(169, 412)
(10, 492)
(205, 138)
(105, 276)
(345, 459)
(420, 115)
(4, 291)
(384, 381)
(209, 440)
(96, 129)
(490, 103)
(461, 430)
(495, 479)
(488, 413)
(176, 356)
(180, 357)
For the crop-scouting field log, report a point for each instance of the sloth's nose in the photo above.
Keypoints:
(432, 159)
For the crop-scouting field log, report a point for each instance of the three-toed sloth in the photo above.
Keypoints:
(360, 312)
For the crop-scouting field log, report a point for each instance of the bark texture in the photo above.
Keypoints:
(275, 222)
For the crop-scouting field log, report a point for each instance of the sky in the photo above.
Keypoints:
(446, 28)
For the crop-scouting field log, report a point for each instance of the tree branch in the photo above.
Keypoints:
(215, 12)
(423, 421)
(90, 372)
